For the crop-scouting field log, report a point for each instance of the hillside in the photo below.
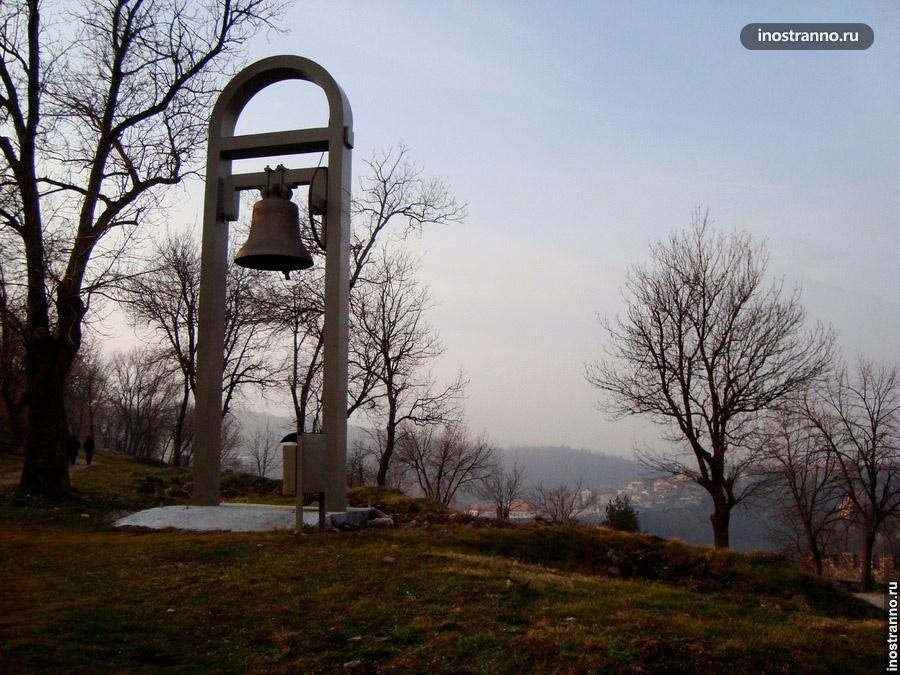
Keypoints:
(558, 465)
(434, 595)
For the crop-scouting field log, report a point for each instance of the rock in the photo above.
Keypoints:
(381, 521)
(352, 665)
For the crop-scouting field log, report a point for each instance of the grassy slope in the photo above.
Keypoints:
(442, 597)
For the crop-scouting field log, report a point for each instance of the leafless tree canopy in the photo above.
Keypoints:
(164, 299)
(161, 294)
(704, 346)
(100, 109)
(87, 390)
(503, 488)
(140, 414)
(560, 504)
(394, 200)
(804, 479)
(401, 346)
(364, 460)
(856, 418)
(261, 447)
(444, 459)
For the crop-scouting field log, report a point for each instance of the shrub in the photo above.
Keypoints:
(620, 515)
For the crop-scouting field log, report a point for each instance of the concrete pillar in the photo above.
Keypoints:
(337, 318)
(210, 345)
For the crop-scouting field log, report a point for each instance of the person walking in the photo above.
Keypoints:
(72, 448)
(89, 448)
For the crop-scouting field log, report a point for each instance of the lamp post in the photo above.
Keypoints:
(221, 207)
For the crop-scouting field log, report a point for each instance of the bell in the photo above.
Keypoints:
(274, 241)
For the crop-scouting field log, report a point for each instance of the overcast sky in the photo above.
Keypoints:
(579, 133)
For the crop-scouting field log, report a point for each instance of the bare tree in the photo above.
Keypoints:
(296, 307)
(806, 489)
(232, 437)
(366, 455)
(703, 348)
(100, 110)
(857, 419)
(359, 469)
(140, 396)
(445, 459)
(87, 389)
(503, 488)
(396, 199)
(394, 331)
(561, 504)
(262, 446)
(162, 294)
(164, 298)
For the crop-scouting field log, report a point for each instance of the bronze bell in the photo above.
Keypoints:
(274, 240)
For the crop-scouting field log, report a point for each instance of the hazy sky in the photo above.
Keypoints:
(579, 133)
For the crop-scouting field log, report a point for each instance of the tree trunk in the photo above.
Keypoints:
(813, 543)
(720, 520)
(868, 547)
(817, 561)
(384, 462)
(46, 469)
(178, 436)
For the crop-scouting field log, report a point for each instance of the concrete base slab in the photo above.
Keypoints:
(876, 599)
(238, 518)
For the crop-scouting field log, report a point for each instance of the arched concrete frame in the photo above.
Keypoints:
(221, 206)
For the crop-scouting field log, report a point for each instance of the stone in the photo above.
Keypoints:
(385, 521)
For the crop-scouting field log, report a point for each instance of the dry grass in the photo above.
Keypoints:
(81, 597)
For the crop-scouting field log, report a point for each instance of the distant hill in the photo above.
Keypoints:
(559, 465)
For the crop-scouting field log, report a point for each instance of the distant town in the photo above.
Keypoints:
(646, 493)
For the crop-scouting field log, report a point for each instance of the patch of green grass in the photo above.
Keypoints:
(442, 598)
